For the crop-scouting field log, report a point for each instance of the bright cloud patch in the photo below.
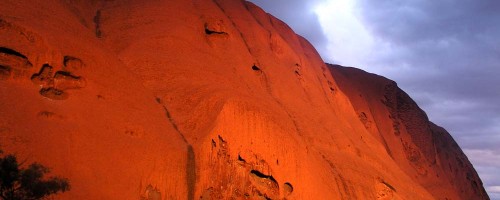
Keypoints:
(347, 36)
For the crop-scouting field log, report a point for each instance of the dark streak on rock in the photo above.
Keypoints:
(97, 22)
(389, 186)
(191, 159)
(191, 172)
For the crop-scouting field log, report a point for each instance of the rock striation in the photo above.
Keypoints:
(202, 99)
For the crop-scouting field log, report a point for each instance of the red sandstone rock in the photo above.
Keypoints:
(422, 149)
(164, 99)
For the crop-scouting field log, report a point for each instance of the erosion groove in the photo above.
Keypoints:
(242, 37)
(190, 158)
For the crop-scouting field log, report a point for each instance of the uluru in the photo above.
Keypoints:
(208, 99)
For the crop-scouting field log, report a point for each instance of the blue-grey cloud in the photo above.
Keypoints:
(453, 56)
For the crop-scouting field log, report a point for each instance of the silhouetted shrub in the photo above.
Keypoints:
(18, 183)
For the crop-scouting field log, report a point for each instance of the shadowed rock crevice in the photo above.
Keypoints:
(240, 177)
(365, 120)
(298, 71)
(210, 32)
(255, 68)
(389, 186)
(266, 184)
(216, 28)
(260, 175)
(8, 51)
(287, 189)
(241, 159)
(13, 64)
(73, 64)
(53, 93)
(65, 81)
(54, 85)
(44, 76)
(385, 191)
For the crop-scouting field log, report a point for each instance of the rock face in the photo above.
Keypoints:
(422, 149)
(174, 99)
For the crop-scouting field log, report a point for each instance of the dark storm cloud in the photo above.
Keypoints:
(416, 20)
(299, 15)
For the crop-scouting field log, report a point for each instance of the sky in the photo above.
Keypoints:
(445, 54)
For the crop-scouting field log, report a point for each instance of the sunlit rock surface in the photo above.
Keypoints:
(175, 99)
